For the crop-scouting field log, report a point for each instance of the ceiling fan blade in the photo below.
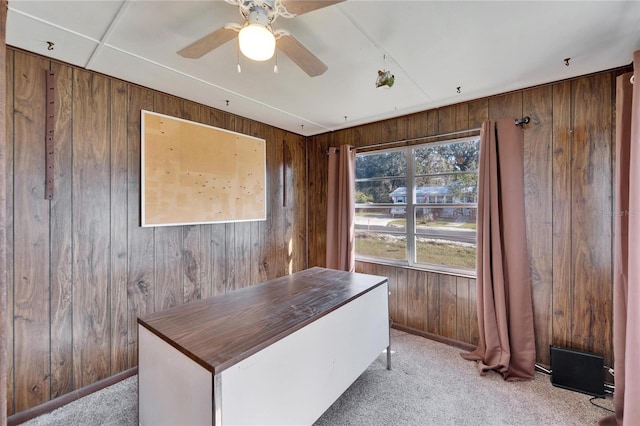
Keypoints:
(298, 7)
(208, 43)
(299, 54)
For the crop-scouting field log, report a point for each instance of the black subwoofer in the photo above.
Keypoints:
(578, 371)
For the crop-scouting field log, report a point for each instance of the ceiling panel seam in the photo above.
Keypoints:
(112, 25)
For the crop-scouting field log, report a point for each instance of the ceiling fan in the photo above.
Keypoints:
(257, 39)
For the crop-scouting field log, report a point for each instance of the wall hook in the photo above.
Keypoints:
(227, 102)
(458, 89)
(50, 45)
(566, 61)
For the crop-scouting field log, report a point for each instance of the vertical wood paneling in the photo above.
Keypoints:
(276, 256)
(61, 239)
(590, 217)
(463, 310)
(317, 193)
(402, 295)
(446, 120)
(509, 105)
(6, 139)
(168, 240)
(258, 261)
(390, 273)
(433, 304)
(3, 215)
(462, 119)
(268, 257)
(219, 263)
(242, 257)
(448, 305)
(432, 122)
(417, 125)
(31, 246)
(91, 228)
(119, 208)
(230, 265)
(206, 261)
(296, 204)
(478, 113)
(287, 213)
(474, 332)
(538, 164)
(417, 300)
(562, 292)
(191, 261)
(141, 253)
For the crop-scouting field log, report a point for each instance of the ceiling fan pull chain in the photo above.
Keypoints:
(275, 67)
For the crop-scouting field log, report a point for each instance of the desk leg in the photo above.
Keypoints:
(217, 400)
(389, 357)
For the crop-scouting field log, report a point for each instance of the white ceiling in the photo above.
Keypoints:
(432, 47)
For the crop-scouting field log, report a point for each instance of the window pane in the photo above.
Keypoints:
(454, 220)
(446, 253)
(446, 174)
(380, 245)
(381, 191)
(446, 237)
(383, 164)
(450, 188)
(449, 157)
(380, 219)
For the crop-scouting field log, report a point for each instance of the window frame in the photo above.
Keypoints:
(411, 205)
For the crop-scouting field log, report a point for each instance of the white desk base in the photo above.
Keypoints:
(291, 382)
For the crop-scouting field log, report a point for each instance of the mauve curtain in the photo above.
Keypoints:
(340, 208)
(626, 268)
(505, 309)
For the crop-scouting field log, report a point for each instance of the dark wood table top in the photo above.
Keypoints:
(221, 331)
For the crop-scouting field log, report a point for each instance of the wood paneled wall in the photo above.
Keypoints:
(568, 189)
(3, 218)
(81, 269)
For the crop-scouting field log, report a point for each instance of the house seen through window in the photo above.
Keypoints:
(417, 205)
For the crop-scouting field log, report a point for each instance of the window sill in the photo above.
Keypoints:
(423, 268)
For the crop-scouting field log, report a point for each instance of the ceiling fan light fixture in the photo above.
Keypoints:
(256, 40)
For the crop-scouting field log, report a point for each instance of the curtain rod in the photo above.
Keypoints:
(517, 122)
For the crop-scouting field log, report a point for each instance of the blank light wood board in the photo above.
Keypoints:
(193, 173)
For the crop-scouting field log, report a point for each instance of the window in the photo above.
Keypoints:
(437, 184)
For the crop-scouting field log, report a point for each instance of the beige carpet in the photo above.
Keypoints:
(430, 384)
